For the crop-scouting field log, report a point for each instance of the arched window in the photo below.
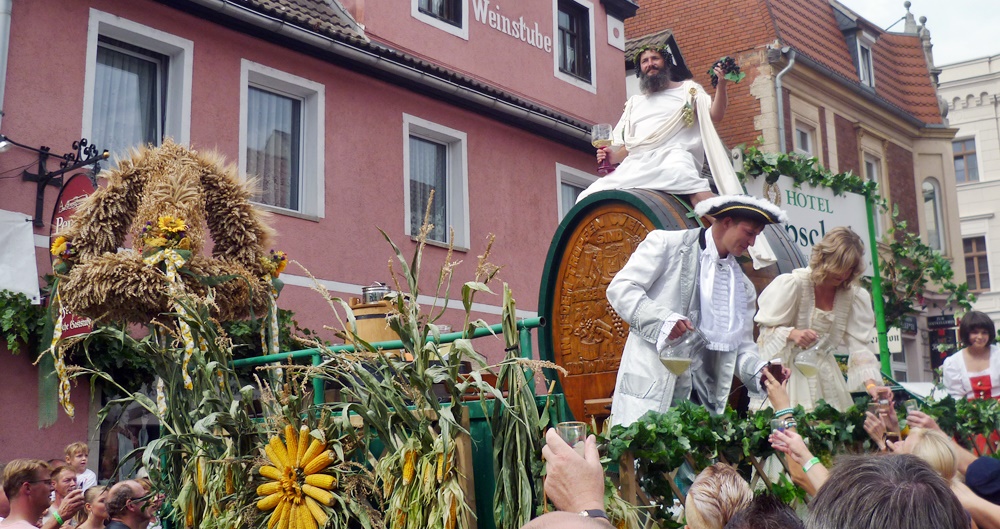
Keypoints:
(933, 218)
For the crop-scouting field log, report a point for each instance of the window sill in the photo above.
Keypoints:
(440, 244)
(288, 212)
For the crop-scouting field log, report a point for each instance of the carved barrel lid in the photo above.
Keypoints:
(592, 243)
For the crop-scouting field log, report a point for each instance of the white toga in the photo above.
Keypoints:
(673, 166)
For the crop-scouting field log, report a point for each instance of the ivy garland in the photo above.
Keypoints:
(908, 266)
(20, 322)
(662, 442)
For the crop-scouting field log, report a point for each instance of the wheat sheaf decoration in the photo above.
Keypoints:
(164, 197)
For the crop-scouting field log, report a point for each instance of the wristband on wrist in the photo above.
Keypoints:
(809, 464)
(869, 385)
(594, 513)
(59, 520)
(785, 411)
(790, 423)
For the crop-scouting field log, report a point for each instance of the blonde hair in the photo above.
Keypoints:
(716, 495)
(935, 449)
(17, 472)
(841, 250)
(77, 448)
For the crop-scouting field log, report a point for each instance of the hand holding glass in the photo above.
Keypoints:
(680, 352)
(600, 137)
(575, 435)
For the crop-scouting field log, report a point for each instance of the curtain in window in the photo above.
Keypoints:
(126, 101)
(273, 139)
(429, 171)
(568, 196)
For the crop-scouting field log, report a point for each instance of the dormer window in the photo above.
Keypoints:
(866, 68)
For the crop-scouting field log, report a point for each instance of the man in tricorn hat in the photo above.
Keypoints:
(678, 281)
(664, 134)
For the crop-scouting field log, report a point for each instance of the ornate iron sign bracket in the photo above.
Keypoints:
(85, 155)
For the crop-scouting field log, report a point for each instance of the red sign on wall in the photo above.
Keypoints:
(72, 194)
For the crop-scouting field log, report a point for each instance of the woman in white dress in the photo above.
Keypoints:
(974, 372)
(823, 304)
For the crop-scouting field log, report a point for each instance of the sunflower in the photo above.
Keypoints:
(59, 245)
(296, 490)
(171, 224)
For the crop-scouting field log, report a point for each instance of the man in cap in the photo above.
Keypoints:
(678, 281)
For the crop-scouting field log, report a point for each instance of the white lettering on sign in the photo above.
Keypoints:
(514, 28)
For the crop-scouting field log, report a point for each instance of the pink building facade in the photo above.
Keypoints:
(347, 113)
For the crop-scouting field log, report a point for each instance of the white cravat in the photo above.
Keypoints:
(721, 295)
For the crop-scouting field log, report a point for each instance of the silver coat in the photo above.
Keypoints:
(659, 280)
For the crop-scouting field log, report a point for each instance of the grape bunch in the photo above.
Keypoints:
(729, 68)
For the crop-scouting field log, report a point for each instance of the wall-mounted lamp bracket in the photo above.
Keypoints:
(85, 155)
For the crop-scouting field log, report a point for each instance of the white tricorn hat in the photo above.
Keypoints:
(742, 206)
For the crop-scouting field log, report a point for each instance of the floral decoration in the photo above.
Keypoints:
(169, 232)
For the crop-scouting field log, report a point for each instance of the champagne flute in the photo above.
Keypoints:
(600, 137)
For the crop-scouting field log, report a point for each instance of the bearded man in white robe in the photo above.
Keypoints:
(661, 139)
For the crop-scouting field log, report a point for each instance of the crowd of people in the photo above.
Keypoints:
(64, 493)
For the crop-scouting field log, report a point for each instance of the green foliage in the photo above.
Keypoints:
(246, 335)
(966, 419)
(908, 267)
(20, 322)
(662, 442)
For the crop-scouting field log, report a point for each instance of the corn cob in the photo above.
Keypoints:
(285, 516)
(323, 496)
(315, 448)
(323, 481)
(270, 472)
(306, 520)
(318, 463)
(300, 452)
(276, 515)
(279, 450)
(199, 464)
(269, 488)
(291, 444)
(270, 501)
(293, 515)
(317, 511)
(409, 461)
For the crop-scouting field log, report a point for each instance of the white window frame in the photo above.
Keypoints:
(179, 51)
(312, 189)
(456, 142)
(810, 132)
(460, 32)
(876, 163)
(973, 233)
(866, 42)
(938, 215)
(575, 81)
(572, 176)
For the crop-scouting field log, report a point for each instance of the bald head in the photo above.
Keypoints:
(566, 520)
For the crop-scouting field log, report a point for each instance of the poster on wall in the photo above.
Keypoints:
(72, 194)
(813, 211)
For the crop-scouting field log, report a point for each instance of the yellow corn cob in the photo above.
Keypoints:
(323, 496)
(269, 488)
(316, 447)
(440, 467)
(200, 474)
(285, 516)
(318, 463)
(291, 443)
(272, 456)
(293, 515)
(189, 515)
(306, 520)
(270, 501)
(317, 511)
(323, 481)
(303, 445)
(409, 461)
(279, 451)
(276, 515)
(229, 480)
(270, 472)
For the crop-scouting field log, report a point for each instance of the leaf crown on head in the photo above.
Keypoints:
(663, 50)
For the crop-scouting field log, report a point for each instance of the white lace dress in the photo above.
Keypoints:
(789, 303)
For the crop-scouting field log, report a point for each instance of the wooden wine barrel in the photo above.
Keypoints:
(592, 243)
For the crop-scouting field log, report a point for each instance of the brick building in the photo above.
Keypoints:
(825, 82)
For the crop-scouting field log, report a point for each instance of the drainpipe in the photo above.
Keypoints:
(781, 99)
(5, 9)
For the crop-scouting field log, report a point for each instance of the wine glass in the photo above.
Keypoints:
(574, 433)
(600, 137)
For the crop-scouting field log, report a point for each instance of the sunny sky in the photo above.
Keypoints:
(960, 29)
